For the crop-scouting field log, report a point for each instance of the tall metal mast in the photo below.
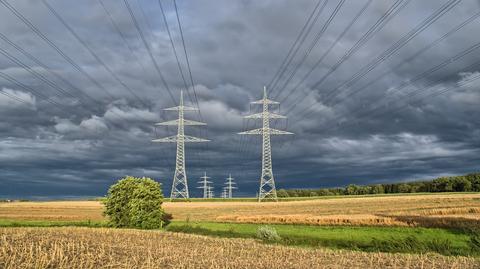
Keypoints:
(180, 184)
(204, 186)
(224, 193)
(210, 193)
(267, 183)
(230, 186)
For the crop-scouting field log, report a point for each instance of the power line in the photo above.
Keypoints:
(93, 53)
(396, 46)
(386, 17)
(45, 67)
(415, 55)
(147, 47)
(294, 45)
(304, 32)
(173, 46)
(122, 36)
(54, 46)
(312, 46)
(424, 74)
(186, 58)
(320, 60)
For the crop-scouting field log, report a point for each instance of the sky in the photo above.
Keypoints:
(374, 91)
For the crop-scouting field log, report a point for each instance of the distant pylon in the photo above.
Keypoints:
(205, 185)
(210, 193)
(267, 183)
(224, 193)
(180, 184)
(230, 186)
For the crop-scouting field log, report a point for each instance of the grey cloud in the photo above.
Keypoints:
(234, 48)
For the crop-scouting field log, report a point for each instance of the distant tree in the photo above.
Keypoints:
(136, 203)
(282, 193)
(351, 189)
(442, 184)
(404, 188)
(461, 184)
(475, 179)
(377, 189)
(470, 182)
(324, 192)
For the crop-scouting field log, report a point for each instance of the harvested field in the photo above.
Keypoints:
(430, 210)
(354, 220)
(58, 210)
(114, 248)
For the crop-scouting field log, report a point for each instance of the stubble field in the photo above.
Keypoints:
(114, 248)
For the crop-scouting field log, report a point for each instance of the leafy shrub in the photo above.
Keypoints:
(267, 234)
(136, 203)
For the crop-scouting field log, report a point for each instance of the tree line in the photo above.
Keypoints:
(465, 183)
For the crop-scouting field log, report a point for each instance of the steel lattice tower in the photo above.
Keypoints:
(267, 183)
(230, 186)
(205, 185)
(180, 184)
(210, 193)
(224, 193)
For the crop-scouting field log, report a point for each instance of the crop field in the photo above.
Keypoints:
(397, 231)
(428, 210)
(70, 247)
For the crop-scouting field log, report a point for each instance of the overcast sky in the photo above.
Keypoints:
(374, 90)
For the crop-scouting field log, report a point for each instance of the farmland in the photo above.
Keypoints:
(113, 248)
(414, 229)
(427, 210)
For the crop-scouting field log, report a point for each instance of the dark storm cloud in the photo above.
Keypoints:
(235, 47)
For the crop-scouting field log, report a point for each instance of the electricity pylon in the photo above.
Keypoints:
(224, 193)
(267, 183)
(210, 193)
(204, 186)
(230, 186)
(180, 184)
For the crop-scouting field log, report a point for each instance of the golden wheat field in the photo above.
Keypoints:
(116, 248)
(438, 210)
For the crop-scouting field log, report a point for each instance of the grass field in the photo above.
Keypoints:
(71, 247)
(383, 239)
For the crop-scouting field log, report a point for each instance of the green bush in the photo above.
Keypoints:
(267, 234)
(136, 203)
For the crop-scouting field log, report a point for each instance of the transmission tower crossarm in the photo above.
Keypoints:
(170, 139)
(265, 101)
(193, 139)
(181, 107)
(272, 131)
(261, 115)
(175, 122)
(258, 131)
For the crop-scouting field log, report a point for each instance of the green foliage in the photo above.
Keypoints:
(267, 234)
(467, 183)
(282, 193)
(136, 203)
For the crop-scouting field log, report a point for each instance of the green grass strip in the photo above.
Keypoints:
(372, 239)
